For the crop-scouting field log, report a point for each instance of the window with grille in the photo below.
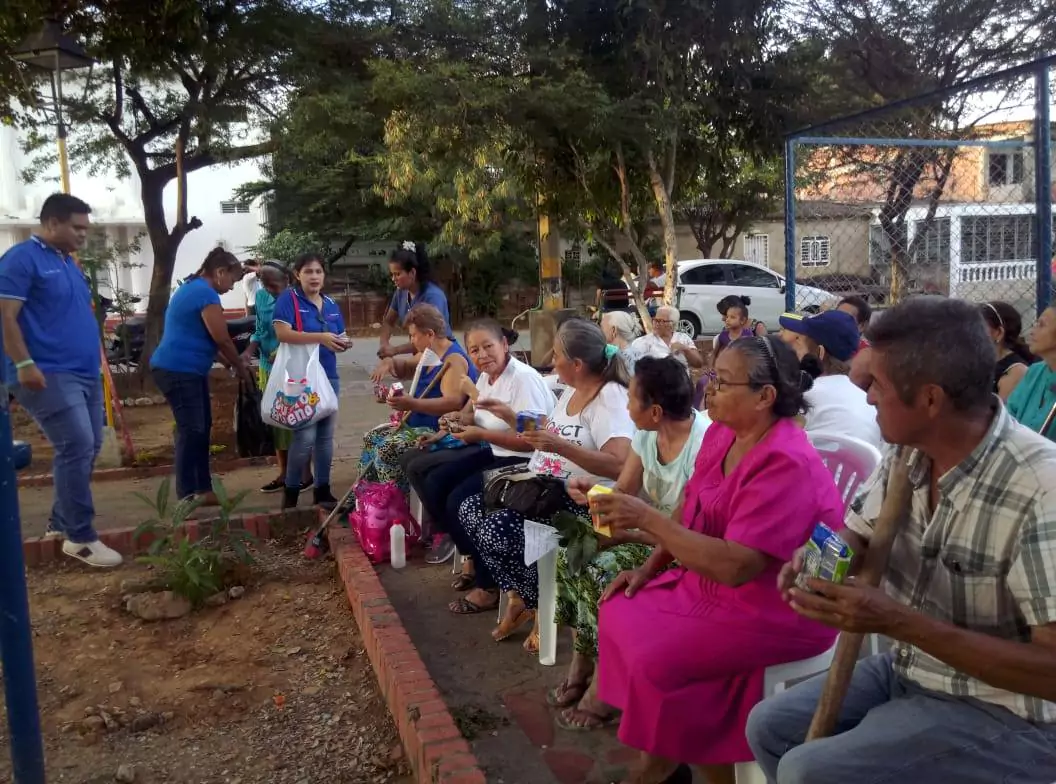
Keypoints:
(231, 207)
(931, 241)
(814, 251)
(573, 255)
(986, 238)
(1005, 168)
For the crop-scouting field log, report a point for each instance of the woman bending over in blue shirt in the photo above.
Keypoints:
(195, 332)
(305, 316)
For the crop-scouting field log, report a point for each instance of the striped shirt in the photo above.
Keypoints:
(985, 560)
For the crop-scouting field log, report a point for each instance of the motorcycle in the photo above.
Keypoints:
(124, 346)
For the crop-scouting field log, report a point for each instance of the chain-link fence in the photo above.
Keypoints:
(948, 193)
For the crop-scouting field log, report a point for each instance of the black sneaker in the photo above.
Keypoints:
(274, 486)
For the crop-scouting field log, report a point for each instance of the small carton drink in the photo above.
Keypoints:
(595, 517)
(827, 557)
(396, 390)
(527, 421)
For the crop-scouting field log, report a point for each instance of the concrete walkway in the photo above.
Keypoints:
(118, 505)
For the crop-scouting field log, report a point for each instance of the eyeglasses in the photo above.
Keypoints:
(717, 384)
(662, 321)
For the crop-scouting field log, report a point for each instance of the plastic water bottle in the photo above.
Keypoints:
(398, 546)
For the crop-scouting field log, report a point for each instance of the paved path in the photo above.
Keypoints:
(118, 504)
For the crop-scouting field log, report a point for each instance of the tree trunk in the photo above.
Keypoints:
(667, 224)
(164, 247)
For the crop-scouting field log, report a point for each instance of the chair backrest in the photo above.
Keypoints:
(850, 460)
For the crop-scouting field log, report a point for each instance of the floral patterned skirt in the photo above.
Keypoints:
(382, 449)
(578, 597)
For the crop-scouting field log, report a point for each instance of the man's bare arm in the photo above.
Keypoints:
(14, 343)
(1024, 668)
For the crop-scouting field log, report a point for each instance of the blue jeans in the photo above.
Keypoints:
(70, 412)
(188, 396)
(317, 439)
(892, 730)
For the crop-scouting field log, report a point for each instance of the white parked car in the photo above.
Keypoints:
(703, 282)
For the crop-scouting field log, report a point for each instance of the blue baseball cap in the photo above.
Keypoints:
(833, 330)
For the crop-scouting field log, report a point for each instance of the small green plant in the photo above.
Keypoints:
(578, 538)
(193, 569)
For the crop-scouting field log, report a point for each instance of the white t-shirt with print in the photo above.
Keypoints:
(654, 346)
(603, 419)
(521, 388)
(840, 407)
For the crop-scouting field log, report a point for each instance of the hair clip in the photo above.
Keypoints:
(408, 245)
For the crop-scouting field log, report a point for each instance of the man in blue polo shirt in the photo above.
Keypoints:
(51, 363)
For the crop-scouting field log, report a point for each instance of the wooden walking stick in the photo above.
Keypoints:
(1048, 420)
(892, 513)
(426, 391)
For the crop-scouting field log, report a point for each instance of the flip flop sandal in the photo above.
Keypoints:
(594, 722)
(463, 606)
(566, 695)
(464, 582)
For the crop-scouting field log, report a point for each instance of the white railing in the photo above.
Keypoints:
(997, 271)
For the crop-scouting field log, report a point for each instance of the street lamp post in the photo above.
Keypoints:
(53, 52)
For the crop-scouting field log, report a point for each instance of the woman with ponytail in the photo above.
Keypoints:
(195, 333)
(1013, 356)
(410, 273)
(587, 436)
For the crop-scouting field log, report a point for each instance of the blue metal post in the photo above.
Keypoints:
(790, 224)
(1043, 185)
(16, 641)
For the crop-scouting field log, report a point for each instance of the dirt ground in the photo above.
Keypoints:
(272, 687)
(150, 425)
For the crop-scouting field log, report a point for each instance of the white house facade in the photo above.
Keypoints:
(118, 213)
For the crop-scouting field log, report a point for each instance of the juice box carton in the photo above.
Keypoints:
(595, 518)
(528, 421)
(827, 557)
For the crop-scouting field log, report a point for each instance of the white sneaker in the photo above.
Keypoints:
(93, 553)
(52, 533)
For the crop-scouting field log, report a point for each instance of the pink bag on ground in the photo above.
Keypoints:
(379, 506)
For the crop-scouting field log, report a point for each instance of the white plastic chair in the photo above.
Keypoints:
(851, 461)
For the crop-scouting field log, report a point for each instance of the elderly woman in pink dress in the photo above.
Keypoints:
(683, 653)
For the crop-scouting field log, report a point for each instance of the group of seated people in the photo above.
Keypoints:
(691, 598)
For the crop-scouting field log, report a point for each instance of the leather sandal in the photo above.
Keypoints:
(510, 624)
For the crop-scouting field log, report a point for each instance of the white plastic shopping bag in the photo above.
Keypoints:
(298, 393)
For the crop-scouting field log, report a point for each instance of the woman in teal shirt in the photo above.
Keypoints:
(1034, 399)
(274, 280)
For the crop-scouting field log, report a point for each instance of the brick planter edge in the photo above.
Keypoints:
(435, 747)
(144, 472)
(44, 550)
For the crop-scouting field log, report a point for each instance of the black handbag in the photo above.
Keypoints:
(519, 490)
(252, 436)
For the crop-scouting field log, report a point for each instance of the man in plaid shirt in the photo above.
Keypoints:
(968, 691)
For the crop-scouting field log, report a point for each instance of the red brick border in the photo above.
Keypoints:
(435, 747)
(45, 550)
(145, 472)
